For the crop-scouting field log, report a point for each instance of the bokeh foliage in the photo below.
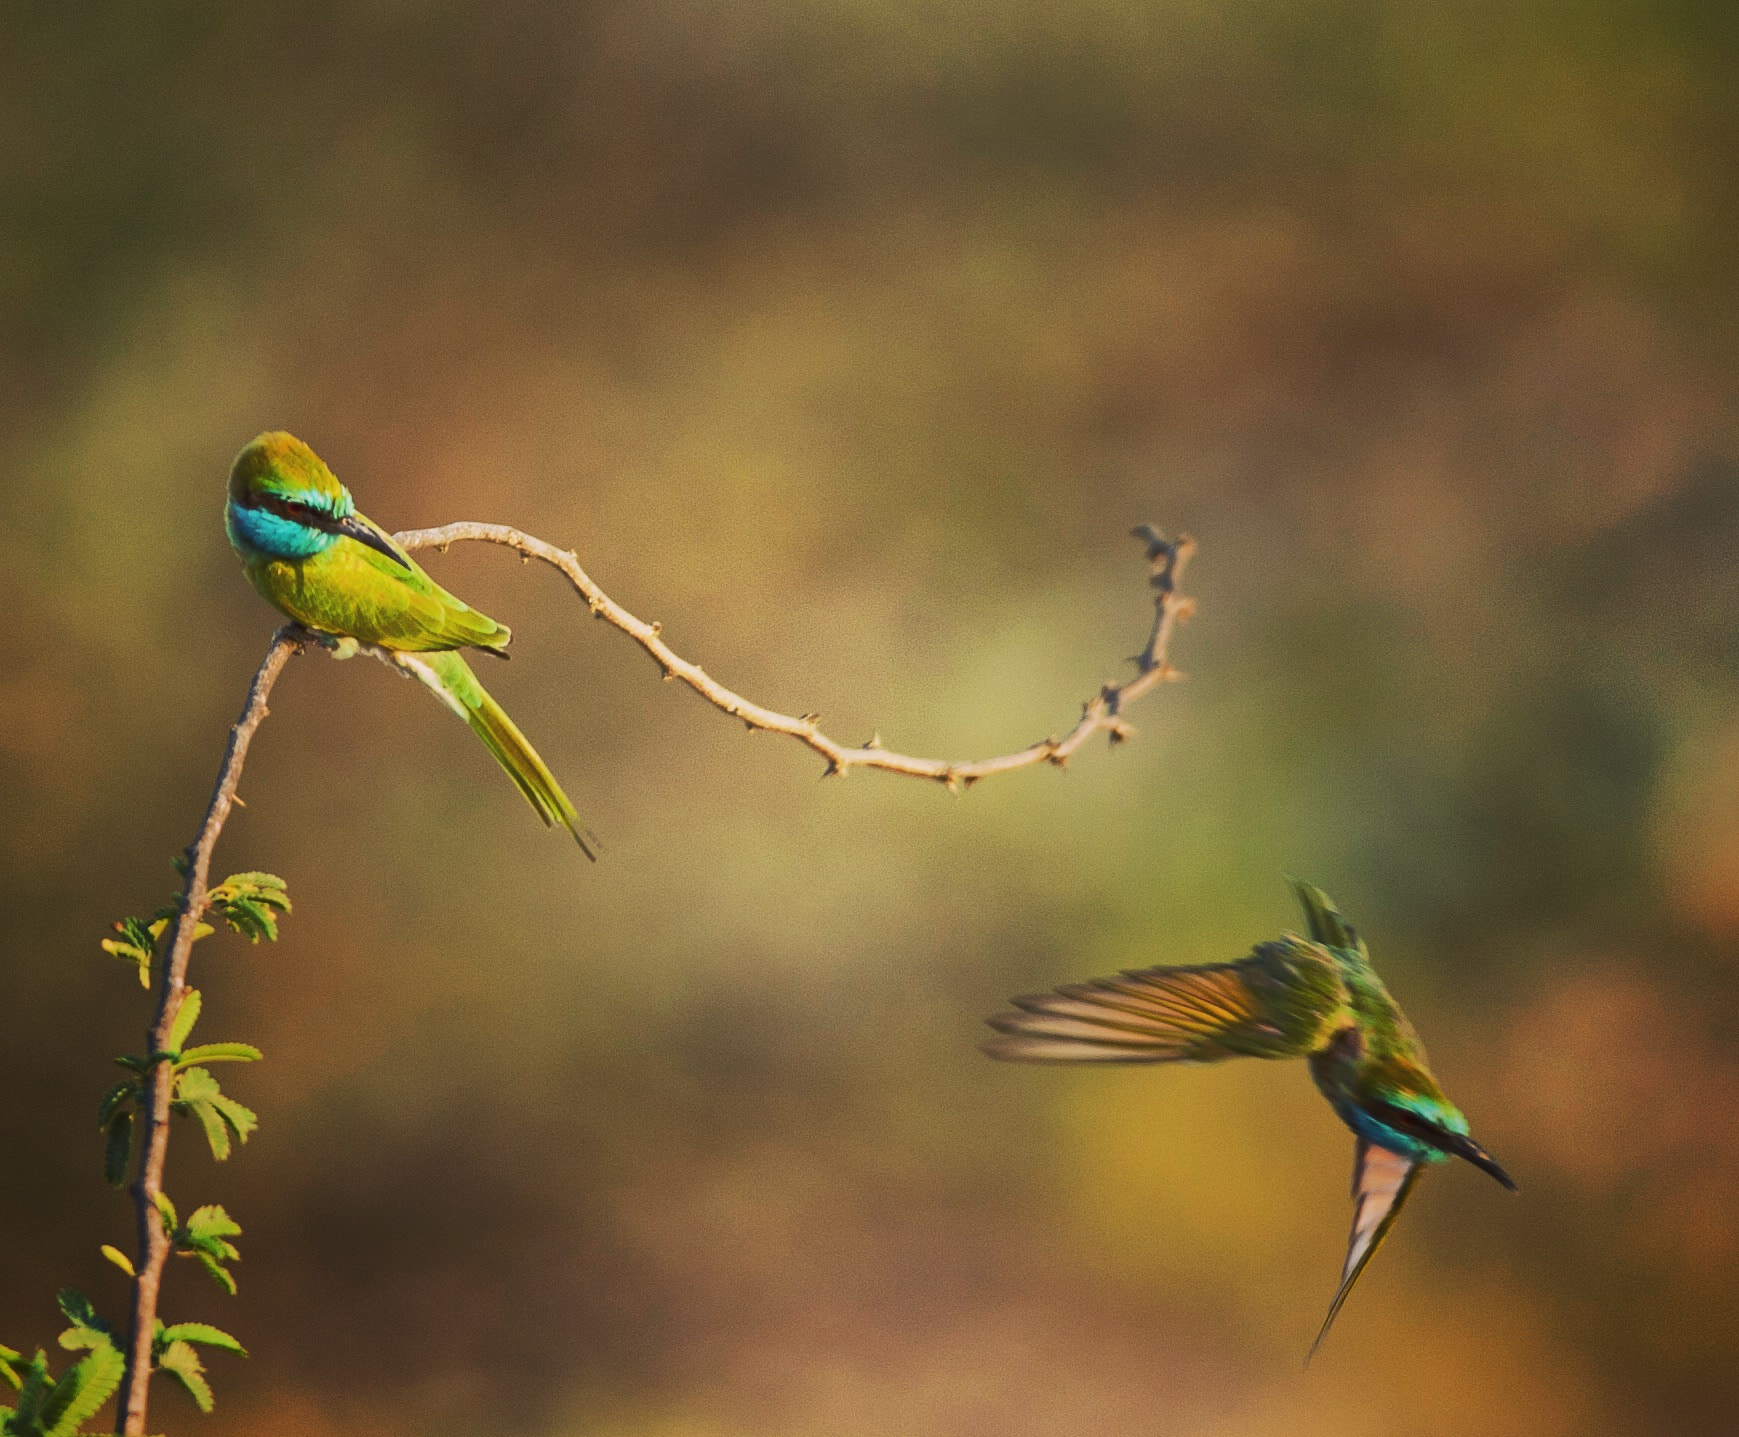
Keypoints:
(848, 340)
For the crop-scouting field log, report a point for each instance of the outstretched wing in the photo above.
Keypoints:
(1283, 1001)
(1381, 1182)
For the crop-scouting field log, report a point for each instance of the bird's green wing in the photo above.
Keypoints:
(1283, 1001)
(352, 589)
(1381, 1182)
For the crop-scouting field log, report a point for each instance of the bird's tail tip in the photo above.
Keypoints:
(1322, 917)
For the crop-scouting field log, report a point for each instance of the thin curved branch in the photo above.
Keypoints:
(1103, 713)
(153, 1251)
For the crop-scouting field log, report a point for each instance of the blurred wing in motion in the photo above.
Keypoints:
(1283, 1001)
(1381, 1182)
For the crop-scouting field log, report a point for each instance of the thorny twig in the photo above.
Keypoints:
(1101, 713)
(171, 987)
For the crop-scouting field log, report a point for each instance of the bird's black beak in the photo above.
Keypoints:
(1466, 1148)
(354, 528)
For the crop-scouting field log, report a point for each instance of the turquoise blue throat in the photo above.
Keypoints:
(274, 534)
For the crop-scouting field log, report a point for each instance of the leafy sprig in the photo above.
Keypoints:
(58, 1408)
(47, 1406)
(251, 903)
(196, 1093)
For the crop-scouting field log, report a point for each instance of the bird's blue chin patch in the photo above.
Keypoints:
(274, 534)
(1375, 1130)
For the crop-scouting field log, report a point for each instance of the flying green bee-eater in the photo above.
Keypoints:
(1290, 998)
(309, 553)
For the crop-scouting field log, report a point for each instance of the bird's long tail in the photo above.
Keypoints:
(452, 680)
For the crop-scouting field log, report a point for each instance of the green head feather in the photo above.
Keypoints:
(277, 465)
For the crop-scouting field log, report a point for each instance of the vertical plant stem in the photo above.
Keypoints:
(153, 1240)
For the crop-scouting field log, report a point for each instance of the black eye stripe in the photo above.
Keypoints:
(292, 509)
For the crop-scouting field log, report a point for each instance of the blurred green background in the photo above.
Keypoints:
(849, 340)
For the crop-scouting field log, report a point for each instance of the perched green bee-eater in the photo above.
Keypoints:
(1290, 999)
(308, 552)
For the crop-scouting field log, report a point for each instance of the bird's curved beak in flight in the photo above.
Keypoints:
(1479, 1157)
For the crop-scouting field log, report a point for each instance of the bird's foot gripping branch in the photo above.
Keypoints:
(174, 1078)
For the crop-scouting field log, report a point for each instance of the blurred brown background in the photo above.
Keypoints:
(849, 340)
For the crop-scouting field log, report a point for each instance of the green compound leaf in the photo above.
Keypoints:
(81, 1390)
(185, 1017)
(182, 1363)
(219, 1053)
(216, 1130)
(210, 1223)
(88, 1329)
(194, 1091)
(118, 1149)
(204, 1334)
(219, 1273)
(206, 1238)
(33, 1390)
(242, 1120)
(198, 1095)
(118, 1096)
(12, 1366)
(136, 945)
(251, 903)
(194, 1084)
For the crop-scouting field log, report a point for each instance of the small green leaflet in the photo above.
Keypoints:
(182, 1363)
(115, 1117)
(251, 903)
(118, 1149)
(88, 1330)
(135, 945)
(198, 1096)
(172, 1352)
(185, 1017)
(219, 1053)
(206, 1239)
(204, 1334)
